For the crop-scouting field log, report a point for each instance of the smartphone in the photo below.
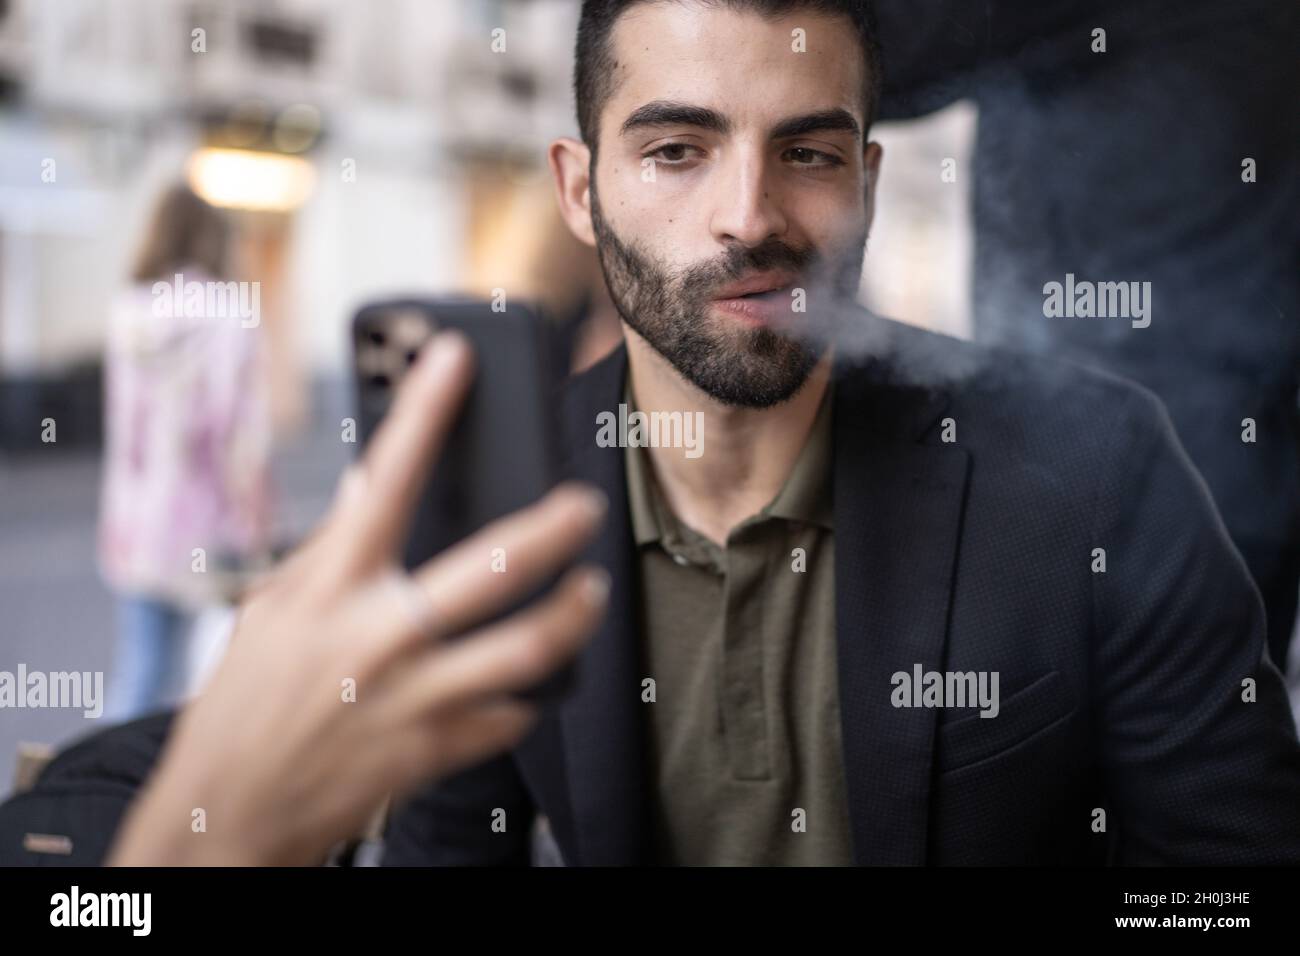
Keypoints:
(502, 453)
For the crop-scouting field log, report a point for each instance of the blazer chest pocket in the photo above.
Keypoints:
(1033, 708)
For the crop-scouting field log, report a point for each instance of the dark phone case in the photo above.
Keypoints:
(502, 453)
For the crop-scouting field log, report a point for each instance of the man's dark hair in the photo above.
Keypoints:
(593, 68)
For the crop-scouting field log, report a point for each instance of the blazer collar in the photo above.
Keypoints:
(586, 760)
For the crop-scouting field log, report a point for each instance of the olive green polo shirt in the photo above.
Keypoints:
(744, 731)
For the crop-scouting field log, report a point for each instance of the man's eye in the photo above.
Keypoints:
(671, 153)
(803, 156)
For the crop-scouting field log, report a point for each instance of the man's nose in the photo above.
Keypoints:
(745, 207)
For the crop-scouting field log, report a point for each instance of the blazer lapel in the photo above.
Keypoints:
(597, 734)
(898, 509)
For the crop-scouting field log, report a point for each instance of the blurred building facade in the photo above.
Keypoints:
(399, 109)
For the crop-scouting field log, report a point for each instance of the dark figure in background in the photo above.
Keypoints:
(1171, 157)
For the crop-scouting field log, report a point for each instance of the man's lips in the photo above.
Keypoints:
(763, 282)
(759, 300)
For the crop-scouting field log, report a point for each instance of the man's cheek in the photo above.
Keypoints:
(666, 200)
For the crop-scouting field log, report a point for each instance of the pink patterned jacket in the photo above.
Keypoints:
(187, 447)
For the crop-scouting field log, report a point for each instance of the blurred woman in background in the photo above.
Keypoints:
(186, 489)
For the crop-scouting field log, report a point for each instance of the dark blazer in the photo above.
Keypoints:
(1120, 691)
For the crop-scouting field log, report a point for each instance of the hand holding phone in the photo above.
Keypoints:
(341, 686)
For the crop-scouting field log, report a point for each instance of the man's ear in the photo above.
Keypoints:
(871, 157)
(570, 162)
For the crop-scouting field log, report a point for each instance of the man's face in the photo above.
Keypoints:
(729, 163)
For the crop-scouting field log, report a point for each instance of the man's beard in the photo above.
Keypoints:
(735, 365)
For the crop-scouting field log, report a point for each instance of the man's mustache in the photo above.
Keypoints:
(737, 262)
(822, 298)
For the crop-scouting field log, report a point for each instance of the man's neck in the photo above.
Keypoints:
(747, 452)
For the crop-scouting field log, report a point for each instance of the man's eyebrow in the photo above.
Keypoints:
(821, 121)
(667, 113)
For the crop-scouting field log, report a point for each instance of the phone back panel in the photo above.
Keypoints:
(501, 455)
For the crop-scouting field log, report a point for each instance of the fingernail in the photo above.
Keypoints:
(442, 351)
(594, 501)
(596, 586)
